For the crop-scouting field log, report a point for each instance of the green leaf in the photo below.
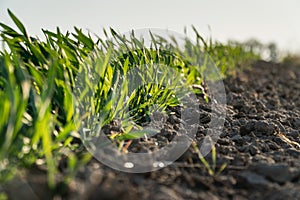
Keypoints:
(18, 23)
(9, 31)
(87, 41)
(137, 134)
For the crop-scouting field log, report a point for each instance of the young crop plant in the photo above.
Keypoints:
(52, 89)
(211, 168)
(131, 104)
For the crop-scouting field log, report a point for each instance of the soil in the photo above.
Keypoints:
(259, 144)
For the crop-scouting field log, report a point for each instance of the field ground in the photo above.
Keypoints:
(259, 143)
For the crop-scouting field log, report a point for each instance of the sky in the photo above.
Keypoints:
(266, 20)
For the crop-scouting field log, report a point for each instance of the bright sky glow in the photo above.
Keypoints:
(266, 20)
